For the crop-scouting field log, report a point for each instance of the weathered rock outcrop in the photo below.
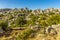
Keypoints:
(54, 29)
(50, 30)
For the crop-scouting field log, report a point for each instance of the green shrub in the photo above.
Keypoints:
(20, 21)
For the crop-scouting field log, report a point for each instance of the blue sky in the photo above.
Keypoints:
(31, 4)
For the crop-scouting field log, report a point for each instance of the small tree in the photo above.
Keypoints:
(4, 25)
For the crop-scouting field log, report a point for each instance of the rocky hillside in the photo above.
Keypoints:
(27, 24)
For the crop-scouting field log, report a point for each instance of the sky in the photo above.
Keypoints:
(31, 4)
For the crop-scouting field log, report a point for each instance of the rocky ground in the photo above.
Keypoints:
(52, 33)
(36, 22)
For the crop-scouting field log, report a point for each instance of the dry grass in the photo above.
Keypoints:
(13, 34)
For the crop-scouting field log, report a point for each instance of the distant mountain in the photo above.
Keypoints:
(5, 9)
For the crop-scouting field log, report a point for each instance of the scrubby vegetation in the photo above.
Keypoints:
(28, 19)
